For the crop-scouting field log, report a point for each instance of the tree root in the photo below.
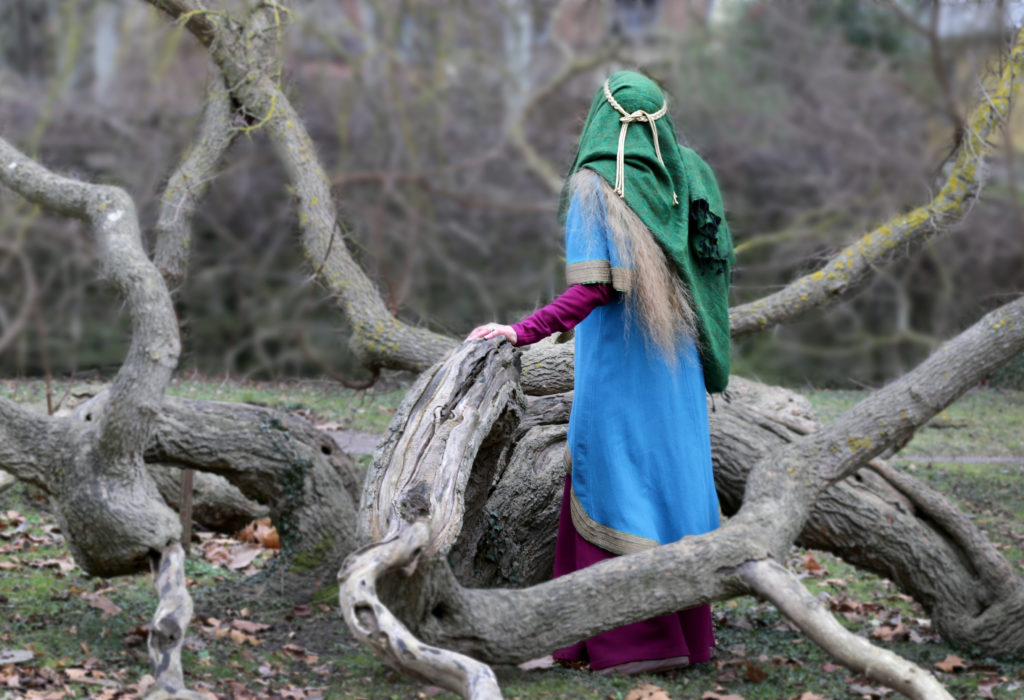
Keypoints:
(167, 633)
(784, 590)
(374, 625)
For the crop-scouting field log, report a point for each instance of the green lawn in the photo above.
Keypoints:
(82, 650)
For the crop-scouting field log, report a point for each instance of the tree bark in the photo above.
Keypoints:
(278, 461)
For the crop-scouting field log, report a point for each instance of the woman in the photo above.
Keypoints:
(649, 259)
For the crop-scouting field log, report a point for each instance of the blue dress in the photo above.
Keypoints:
(639, 446)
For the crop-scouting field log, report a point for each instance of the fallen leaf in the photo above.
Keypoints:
(812, 565)
(65, 564)
(244, 555)
(709, 695)
(102, 602)
(860, 685)
(266, 534)
(985, 688)
(951, 664)
(754, 673)
(240, 637)
(889, 633)
(808, 696)
(249, 627)
(645, 691)
(217, 554)
(302, 610)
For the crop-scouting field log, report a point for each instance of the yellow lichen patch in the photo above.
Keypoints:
(858, 444)
(1000, 323)
(803, 297)
(818, 276)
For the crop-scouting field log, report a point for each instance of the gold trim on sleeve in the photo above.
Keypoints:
(599, 272)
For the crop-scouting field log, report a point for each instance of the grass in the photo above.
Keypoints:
(308, 652)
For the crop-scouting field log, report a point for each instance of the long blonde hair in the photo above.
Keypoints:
(655, 294)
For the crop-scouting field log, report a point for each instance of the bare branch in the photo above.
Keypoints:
(992, 567)
(28, 279)
(784, 590)
(854, 264)
(188, 183)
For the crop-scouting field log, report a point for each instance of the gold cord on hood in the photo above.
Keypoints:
(628, 118)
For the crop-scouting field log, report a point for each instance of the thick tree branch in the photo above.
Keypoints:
(993, 569)
(107, 505)
(853, 265)
(188, 183)
(138, 388)
(378, 338)
(784, 590)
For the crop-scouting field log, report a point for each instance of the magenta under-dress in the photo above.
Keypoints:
(685, 633)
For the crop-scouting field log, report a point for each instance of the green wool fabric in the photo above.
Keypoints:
(693, 233)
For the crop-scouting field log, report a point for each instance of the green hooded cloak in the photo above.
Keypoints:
(676, 197)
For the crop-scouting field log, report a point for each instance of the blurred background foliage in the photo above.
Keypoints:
(446, 127)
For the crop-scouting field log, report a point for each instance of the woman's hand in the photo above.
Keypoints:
(492, 330)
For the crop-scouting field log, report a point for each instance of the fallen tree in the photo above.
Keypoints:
(464, 489)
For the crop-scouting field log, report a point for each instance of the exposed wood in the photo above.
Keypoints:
(414, 499)
(373, 624)
(167, 633)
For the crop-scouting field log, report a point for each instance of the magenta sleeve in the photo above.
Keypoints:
(563, 313)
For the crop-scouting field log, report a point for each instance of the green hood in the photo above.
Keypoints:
(692, 232)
